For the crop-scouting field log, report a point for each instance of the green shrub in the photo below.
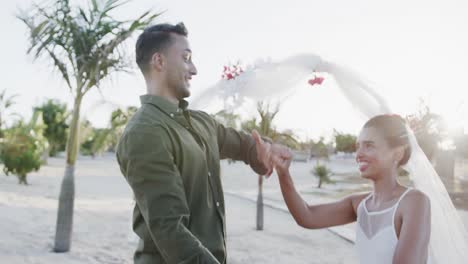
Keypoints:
(323, 173)
(20, 152)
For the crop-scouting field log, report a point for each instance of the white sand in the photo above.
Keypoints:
(238, 181)
(103, 208)
(102, 223)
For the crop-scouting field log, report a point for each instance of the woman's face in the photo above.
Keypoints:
(373, 155)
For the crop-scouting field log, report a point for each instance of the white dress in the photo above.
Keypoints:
(376, 238)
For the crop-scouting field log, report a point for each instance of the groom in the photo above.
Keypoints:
(170, 156)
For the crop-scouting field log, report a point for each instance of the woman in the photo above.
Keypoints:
(448, 243)
(393, 221)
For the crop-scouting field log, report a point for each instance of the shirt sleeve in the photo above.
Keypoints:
(146, 158)
(239, 145)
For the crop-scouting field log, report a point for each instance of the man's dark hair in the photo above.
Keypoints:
(155, 39)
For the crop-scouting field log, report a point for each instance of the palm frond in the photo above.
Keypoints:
(83, 44)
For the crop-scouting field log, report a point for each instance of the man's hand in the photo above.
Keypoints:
(269, 154)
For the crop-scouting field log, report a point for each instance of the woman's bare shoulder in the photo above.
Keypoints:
(356, 198)
(415, 199)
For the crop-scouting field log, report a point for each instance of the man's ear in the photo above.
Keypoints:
(157, 61)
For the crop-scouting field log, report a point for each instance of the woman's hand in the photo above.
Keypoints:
(268, 153)
(282, 163)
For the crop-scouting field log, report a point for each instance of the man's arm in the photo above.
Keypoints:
(239, 146)
(145, 156)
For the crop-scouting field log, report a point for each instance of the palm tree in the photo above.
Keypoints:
(265, 128)
(85, 47)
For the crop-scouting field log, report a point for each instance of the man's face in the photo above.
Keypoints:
(179, 67)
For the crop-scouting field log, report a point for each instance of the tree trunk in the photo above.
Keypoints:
(23, 179)
(64, 227)
(260, 203)
(45, 155)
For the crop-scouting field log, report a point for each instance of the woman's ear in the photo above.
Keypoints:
(398, 154)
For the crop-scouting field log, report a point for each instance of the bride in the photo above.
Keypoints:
(393, 221)
(425, 224)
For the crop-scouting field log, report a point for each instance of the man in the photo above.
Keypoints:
(170, 156)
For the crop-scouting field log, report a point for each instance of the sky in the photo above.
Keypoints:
(411, 50)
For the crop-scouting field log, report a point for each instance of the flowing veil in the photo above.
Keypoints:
(448, 243)
(268, 79)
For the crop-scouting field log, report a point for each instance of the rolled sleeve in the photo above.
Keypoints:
(238, 146)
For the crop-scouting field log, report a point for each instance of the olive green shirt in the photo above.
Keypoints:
(170, 156)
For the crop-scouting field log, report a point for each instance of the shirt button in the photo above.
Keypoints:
(209, 173)
(172, 115)
(217, 204)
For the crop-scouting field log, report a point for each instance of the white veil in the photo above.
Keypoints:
(267, 79)
(448, 243)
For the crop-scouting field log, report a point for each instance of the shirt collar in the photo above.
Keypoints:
(164, 104)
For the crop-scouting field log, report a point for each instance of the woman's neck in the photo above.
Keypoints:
(385, 188)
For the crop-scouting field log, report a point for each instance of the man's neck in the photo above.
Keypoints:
(158, 90)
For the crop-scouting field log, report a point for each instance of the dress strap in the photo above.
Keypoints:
(363, 201)
(396, 207)
(403, 195)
